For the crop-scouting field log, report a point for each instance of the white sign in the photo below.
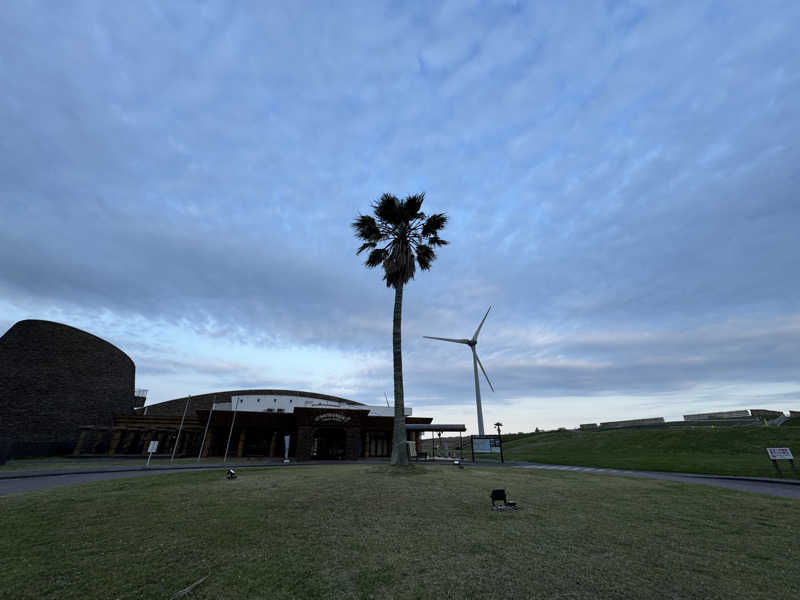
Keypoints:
(780, 453)
(486, 445)
(153, 447)
(332, 418)
(412, 449)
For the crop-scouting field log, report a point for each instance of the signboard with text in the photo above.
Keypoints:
(153, 447)
(487, 444)
(780, 454)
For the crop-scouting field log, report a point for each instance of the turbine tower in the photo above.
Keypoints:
(475, 362)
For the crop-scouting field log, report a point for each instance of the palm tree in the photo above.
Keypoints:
(399, 237)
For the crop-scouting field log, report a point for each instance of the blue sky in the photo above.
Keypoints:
(621, 181)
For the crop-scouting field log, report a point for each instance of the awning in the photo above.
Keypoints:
(434, 427)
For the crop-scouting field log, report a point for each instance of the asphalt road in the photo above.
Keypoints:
(13, 483)
(30, 484)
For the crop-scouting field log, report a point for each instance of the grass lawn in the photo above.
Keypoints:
(370, 531)
(720, 450)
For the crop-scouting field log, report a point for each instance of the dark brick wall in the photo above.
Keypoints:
(55, 378)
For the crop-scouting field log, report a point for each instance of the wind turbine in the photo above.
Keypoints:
(475, 362)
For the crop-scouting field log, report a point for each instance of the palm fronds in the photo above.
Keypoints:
(400, 236)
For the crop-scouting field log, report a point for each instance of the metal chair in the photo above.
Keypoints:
(500, 496)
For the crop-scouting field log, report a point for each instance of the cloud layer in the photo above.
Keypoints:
(621, 183)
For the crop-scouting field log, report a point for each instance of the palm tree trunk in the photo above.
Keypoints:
(399, 450)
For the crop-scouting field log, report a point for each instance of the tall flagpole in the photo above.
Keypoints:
(203, 443)
(177, 439)
(230, 433)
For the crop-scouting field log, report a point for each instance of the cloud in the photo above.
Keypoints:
(620, 181)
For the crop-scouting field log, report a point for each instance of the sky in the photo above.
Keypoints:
(621, 181)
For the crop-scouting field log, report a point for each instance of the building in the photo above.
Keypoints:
(53, 379)
(63, 390)
(252, 423)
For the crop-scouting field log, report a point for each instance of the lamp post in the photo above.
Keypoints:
(500, 440)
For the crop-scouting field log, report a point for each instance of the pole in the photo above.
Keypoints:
(477, 391)
(203, 443)
(177, 439)
(461, 445)
(500, 440)
(230, 433)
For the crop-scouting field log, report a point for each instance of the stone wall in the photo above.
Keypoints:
(632, 423)
(763, 413)
(54, 379)
(728, 414)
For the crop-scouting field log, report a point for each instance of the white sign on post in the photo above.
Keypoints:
(150, 449)
(780, 454)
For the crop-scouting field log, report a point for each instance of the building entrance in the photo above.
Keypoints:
(328, 444)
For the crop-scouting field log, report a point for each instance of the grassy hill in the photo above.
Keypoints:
(371, 531)
(720, 450)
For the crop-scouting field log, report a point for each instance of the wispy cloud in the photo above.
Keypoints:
(621, 181)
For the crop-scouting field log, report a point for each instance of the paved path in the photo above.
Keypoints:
(14, 482)
(761, 485)
(30, 484)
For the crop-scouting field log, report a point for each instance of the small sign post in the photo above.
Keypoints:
(151, 449)
(776, 454)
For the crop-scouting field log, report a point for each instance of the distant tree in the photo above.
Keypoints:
(399, 237)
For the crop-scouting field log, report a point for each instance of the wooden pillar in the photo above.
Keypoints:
(209, 442)
(80, 442)
(242, 438)
(148, 437)
(367, 448)
(273, 443)
(116, 436)
(163, 441)
(182, 443)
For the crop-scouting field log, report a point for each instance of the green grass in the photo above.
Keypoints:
(721, 450)
(370, 531)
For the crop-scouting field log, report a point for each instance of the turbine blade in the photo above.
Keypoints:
(478, 330)
(484, 372)
(430, 337)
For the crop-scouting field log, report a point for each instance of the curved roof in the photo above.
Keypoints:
(268, 392)
(204, 401)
